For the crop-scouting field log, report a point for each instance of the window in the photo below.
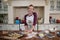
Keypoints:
(51, 5)
(58, 5)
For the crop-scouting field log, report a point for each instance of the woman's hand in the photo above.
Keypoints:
(30, 31)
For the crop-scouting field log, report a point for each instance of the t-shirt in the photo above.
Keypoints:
(17, 22)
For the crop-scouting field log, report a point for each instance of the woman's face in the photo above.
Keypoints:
(30, 10)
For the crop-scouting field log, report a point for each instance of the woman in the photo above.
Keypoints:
(30, 19)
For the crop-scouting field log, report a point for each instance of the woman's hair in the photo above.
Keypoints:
(30, 6)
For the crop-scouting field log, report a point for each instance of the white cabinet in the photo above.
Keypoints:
(3, 7)
(10, 27)
(54, 5)
(40, 27)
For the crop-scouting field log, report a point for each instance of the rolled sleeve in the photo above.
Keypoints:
(35, 19)
(25, 20)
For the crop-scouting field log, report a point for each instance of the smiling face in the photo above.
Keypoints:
(30, 9)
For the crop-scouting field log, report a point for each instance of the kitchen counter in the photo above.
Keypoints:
(5, 37)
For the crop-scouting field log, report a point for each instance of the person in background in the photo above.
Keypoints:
(52, 20)
(17, 20)
(30, 19)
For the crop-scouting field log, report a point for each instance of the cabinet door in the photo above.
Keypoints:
(58, 5)
(12, 27)
(52, 5)
(0, 27)
(0, 4)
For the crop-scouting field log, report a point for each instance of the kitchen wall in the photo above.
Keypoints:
(21, 3)
(21, 11)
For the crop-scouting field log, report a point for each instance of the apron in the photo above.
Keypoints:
(29, 21)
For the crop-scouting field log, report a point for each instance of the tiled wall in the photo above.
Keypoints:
(40, 27)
